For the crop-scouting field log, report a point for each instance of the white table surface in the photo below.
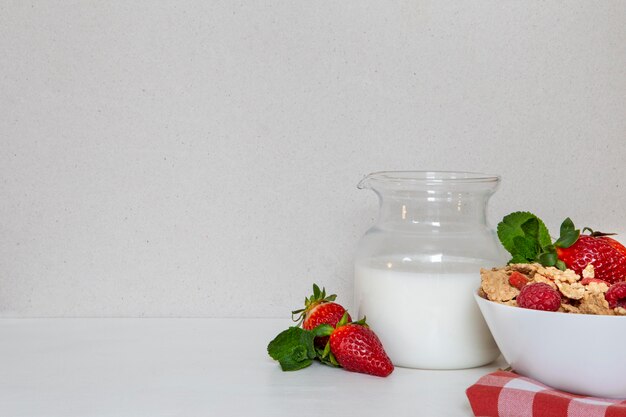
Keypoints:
(197, 367)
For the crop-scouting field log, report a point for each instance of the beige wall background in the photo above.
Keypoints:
(200, 158)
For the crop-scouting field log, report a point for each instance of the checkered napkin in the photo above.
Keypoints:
(506, 394)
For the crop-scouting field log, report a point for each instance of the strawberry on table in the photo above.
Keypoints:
(357, 349)
(328, 335)
(352, 346)
(318, 309)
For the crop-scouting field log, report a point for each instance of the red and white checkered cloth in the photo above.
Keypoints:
(506, 394)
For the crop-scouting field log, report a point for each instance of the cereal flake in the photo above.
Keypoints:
(557, 275)
(595, 303)
(527, 269)
(589, 272)
(495, 283)
(568, 308)
(541, 278)
(574, 291)
(621, 311)
(597, 287)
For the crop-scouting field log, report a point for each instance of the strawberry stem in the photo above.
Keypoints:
(597, 234)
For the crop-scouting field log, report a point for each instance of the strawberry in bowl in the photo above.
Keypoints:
(606, 254)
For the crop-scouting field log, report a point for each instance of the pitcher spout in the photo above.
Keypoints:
(365, 183)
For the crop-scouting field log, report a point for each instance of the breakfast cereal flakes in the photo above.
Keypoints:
(576, 298)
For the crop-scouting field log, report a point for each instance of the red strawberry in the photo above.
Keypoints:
(607, 256)
(539, 296)
(518, 280)
(320, 309)
(357, 349)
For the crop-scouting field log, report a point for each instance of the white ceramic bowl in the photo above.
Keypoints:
(578, 353)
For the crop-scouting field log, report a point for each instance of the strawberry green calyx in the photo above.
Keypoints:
(362, 322)
(344, 320)
(527, 239)
(569, 234)
(318, 297)
(326, 356)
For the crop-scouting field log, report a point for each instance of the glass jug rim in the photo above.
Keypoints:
(430, 177)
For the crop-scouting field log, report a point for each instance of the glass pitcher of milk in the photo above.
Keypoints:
(417, 267)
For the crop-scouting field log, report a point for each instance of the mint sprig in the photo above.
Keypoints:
(294, 348)
(528, 240)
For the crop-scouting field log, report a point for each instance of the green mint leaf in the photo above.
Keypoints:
(561, 265)
(531, 227)
(525, 247)
(547, 259)
(299, 353)
(511, 226)
(567, 239)
(306, 340)
(518, 259)
(567, 226)
(291, 344)
(291, 363)
(282, 344)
